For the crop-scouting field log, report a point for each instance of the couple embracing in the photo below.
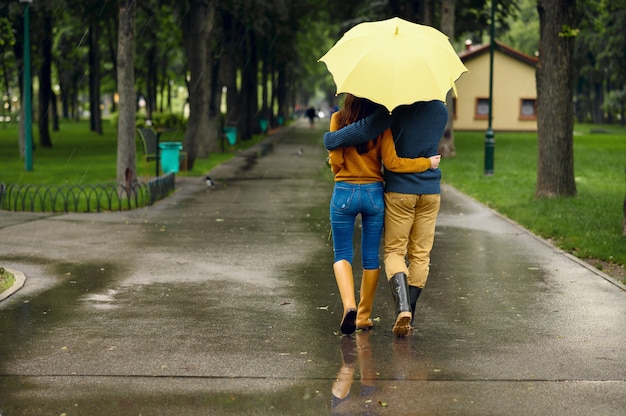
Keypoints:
(386, 170)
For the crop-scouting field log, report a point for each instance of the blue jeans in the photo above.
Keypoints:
(348, 201)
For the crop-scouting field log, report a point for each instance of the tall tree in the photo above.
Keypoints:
(197, 23)
(6, 41)
(69, 62)
(16, 15)
(249, 85)
(126, 157)
(592, 70)
(230, 63)
(45, 77)
(601, 61)
(614, 56)
(555, 88)
(95, 118)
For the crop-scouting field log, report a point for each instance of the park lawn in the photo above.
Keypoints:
(588, 226)
(79, 157)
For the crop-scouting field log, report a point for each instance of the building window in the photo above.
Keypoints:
(528, 109)
(482, 109)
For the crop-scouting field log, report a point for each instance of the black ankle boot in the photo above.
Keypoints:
(400, 294)
(348, 323)
(414, 294)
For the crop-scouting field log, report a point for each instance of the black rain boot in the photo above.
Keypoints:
(414, 294)
(399, 292)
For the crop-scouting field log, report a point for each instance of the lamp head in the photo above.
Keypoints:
(26, 1)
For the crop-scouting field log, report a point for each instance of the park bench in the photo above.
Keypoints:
(150, 146)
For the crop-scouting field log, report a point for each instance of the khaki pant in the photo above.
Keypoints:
(409, 233)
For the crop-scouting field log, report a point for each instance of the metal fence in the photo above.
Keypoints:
(85, 198)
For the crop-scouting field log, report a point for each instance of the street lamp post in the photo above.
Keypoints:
(28, 116)
(490, 142)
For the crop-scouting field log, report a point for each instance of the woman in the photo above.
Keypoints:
(359, 190)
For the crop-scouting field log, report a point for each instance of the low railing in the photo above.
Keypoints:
(85, 198)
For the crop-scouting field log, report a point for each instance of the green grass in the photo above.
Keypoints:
(79, 172)
(6, 279)
(589, 225)
(80, 157)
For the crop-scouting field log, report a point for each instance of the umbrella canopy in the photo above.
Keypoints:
(394, 62)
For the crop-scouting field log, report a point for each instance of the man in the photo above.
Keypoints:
(412, 200)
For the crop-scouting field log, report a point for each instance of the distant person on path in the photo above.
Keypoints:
(412, 200)
(311, 114)
(359, 190)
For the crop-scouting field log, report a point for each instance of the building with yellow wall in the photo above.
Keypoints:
(514, 90)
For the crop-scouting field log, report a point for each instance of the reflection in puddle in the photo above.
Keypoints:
(356, 353)
(103, 300)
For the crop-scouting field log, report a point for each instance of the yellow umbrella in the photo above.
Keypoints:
(394, 62)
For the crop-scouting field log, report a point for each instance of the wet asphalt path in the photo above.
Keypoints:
(223, 302)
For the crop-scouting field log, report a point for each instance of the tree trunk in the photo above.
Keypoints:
(6, 84)
(215, 92)
(75, 102)
(65, 84)
(111, 31)
(18, 52)
(446, 145)
(281, 94)
(196, 29)
(597, 113)
(214, 128)
(126, 157)
(211, 75)
(265, 111)
(151, 80)
(273, 93)
(249, 88)
(54, 111)
(164, 87)
(555, 88)
(45, 83)
(94, 78)
(229, 69)
(425, 12)
(22, 130)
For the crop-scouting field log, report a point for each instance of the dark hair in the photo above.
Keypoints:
(356, 108)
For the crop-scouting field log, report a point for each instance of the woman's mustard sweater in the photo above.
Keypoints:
(350, 166)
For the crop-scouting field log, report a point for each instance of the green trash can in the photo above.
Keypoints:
(231, 135)
(263, 124)
(170, 156)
